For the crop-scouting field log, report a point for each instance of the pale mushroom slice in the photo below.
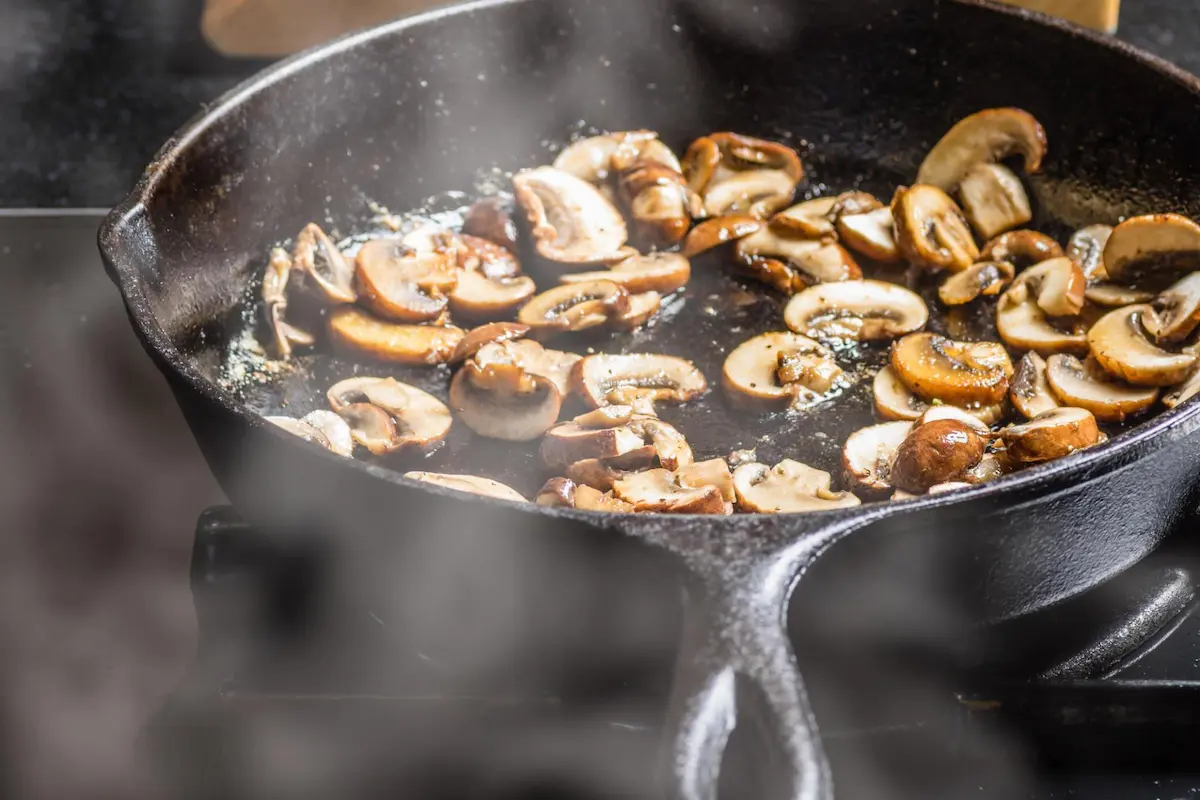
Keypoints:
(571, 221)
(787, 488)
(1053, 288)
(317, 257)
(804, 261)
(1120, 344)
(335, 430)
(1084, 385)
(487, 219)
(1086, 248)
(605, 417)
(1184, 391)
(670, 447)
(642, 309)
(355, 331)
(894, 400)
(472, 484)
(981, 279)
(574, 307)
(1023, 248)
(591, 159)
(773, 371)
(735, 174)
(1028, 390)
(931, 230)
(994, 200)
(943, 411)
(811, 219)
(960, 373)
(713, 472)
(989, 468)
(301, 430)
(940, 488)
(637, 379)
(653, 272)
(1151, 245)
(399, 282)
(565, 492)
(1176, 310)
(488, 333)
(659, 490)
(871, 233)
(985, 137)
(717, 231)
(284, 335)
(867, 457)
(939, 451)
(865, 310)
(1050, 435)
(498, 399)
(419, 418)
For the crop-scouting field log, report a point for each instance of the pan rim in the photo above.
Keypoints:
(1149, 436)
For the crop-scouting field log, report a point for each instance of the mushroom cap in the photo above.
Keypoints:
(752, 380)
(981, 279)
(487, 219)
(488, 333)
(1189, 388)
(358, 332)
(472, 484)
(397, 282)
(867, 456)
(1054, 287)
(788, 487)
(812, 219)
(1086, 248)
(994, 199)
(574, 307)
(984, 137)
(1122, 347)
(1152, 244)
(871, 233)
(420, 419)
(931, 230)
(1028, 390)
(317, 256)
(652, 272)
(1176, 310)
(717, 231)
(637, 379)
(960, 373)
(860, 309)
(571, 221)
(480, 297)
(500, 400)
(938, 451)
(1022, 248)
(659, 490)
(1084, 385)
(732, 173)
(1050, 435)
(817, 261)
(335, 430)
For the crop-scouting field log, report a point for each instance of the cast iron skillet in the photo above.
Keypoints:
(398, 113)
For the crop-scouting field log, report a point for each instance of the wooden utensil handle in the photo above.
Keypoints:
(1099, 14)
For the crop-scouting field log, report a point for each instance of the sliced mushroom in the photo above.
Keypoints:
(356, 331)
(479, 297)
(670, 447)
(605, 417)
(1176, 310)
(943, 412)
(985, 137)
(488, 220)
(1052, 288)
(571, 221)
(865, 310)
(938, 451)
(657, 197)
(1076, 383)
(637, 379)
(894, 400)
(284, 335)
(713, 472)
(959, 373)
(472, 484)
(555, 365)
(301, 429)
(931, 230)
(497, 398)
(981, 279)
(1185, 391)
(574, 307)
(602, 473)
(867, 457)
(659, 490)
(487, 334)
(1021, 249)
(317, 257)
(734, 174)
(1086, 248)
(565, 492)
(1122, 347)
(1115, 295)
(335, 430)
(1156, 244)
(653, 272)
(569, 442)
(994, 199)
(717, 231)
(1029, 392)
(1050, 435)
(812, 219)
(803, 261)
(773, 371)
(642, 308)
(989, 468)
(418, 418)
(591, 159)
(872, 233)
(788, 487)
(398, 282)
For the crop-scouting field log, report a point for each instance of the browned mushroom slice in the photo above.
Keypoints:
(713, 472)
(1121, 346)
(867, 457)
(419, 418)
(601, 473)
(1156, 244)
(811, 219)
(981, 279)
(773, 371)
(498, 399)
(356, 331)
(637, 379)
(1086, 248)
(574, 307)
(487, 334)
(656, 196)
(1084, 385)
(865, 310)
(591, 159)
(994, 199)
(1184, 391)
(1176, 310)
(557, 492)
(301, 429)
(642, 308)
(556, 365)
(1116, 295)
(959, 373)
(808, 260)
(659, 490)
(479, 297)
(1021, 249)
(571, 221)
(1052, 288)
(565, 492)
(397, 282)
(475, 254)
(284, 335)
(488, 220)
(570, 442)
(939, 451)
(670, 447)
(787, 488)
(653, 272)
(317, 257)
(717, 231)
(370, 426)
(1028, 390)
(472, 484)
(872, 233)
(335, 430)
(985, 137)
(734, 174)
(931, 230)
(1050, 435)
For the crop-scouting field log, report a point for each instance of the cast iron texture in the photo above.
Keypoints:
(416, 107)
